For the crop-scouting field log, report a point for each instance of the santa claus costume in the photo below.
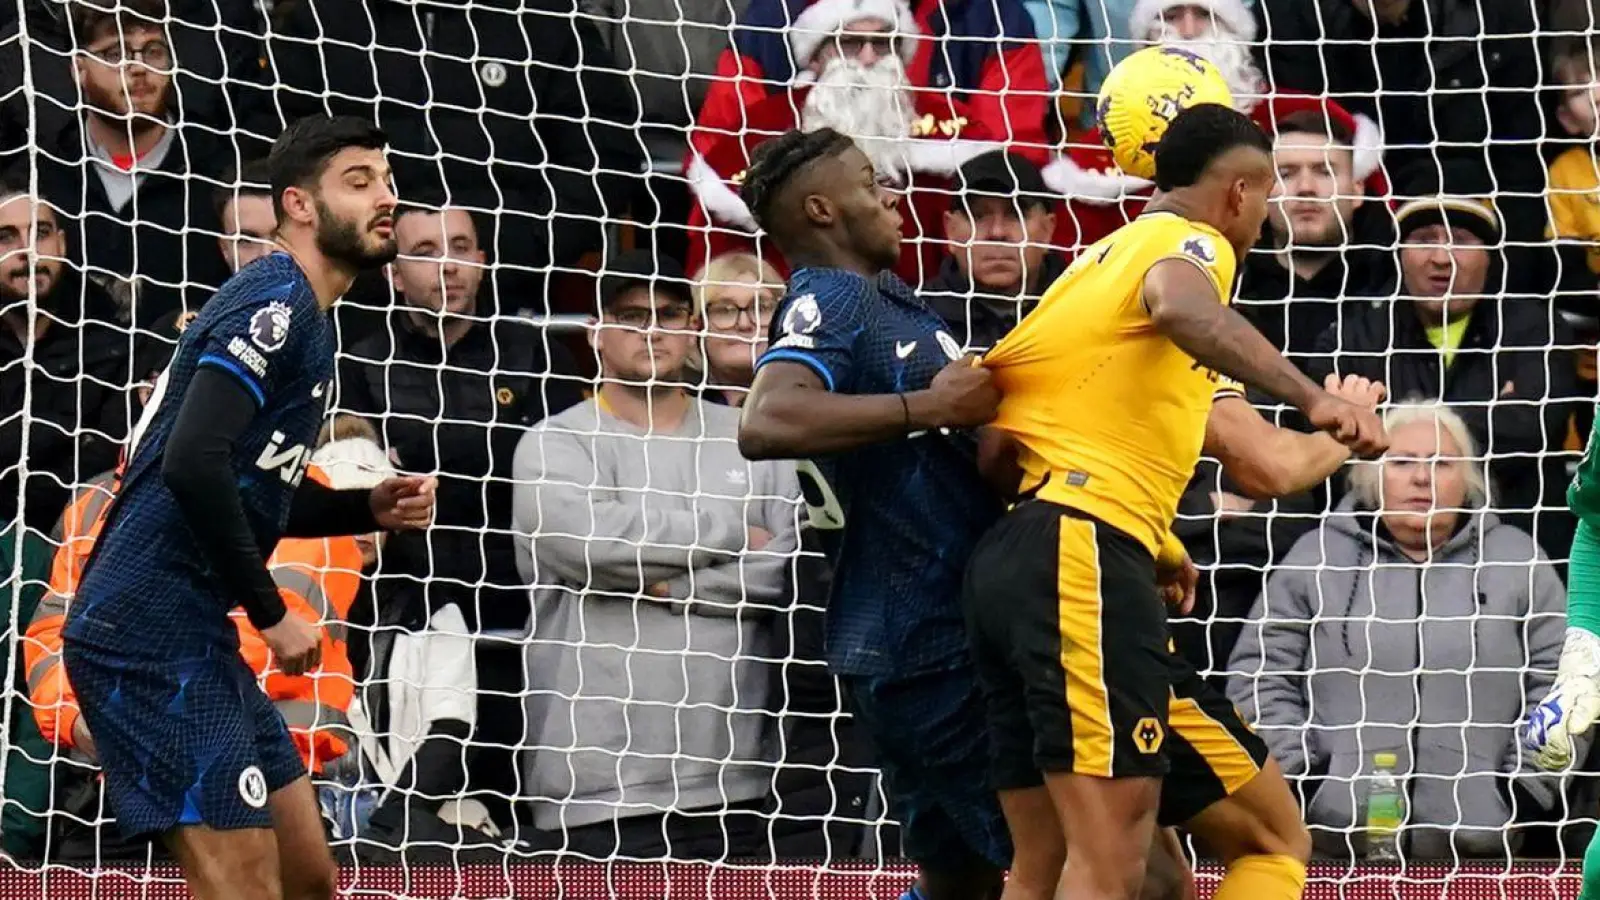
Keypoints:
(1100, 198)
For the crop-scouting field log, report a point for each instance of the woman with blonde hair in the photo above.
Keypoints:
(1413, 624)
(734, 296)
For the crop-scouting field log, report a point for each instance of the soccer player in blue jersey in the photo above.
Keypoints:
(191, 748)
(858, 364)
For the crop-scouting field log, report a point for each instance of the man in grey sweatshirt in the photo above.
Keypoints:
(660, 559)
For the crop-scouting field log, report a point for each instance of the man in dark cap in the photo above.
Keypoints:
(998, 230)
(1453, 335)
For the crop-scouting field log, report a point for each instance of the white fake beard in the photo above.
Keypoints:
(872, 105)
(1232, 58)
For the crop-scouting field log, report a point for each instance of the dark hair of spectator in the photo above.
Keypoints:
(345, 426)
(1319, 123)
(300, 154)
(1200, 135)
(254, 179)
(92, 20)
(777, 161)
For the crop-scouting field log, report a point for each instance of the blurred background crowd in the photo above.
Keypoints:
(609, 643)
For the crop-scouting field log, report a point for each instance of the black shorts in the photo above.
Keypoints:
(1070, 642)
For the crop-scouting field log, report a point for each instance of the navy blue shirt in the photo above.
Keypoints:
(898, 519)
(148, 590)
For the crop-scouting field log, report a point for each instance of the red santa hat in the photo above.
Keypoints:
(1234, 15)
(824, 18)
(1367, 138)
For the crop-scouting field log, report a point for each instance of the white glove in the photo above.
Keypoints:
(1570, 709)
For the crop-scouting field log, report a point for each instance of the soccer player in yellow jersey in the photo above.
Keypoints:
(1099, 730)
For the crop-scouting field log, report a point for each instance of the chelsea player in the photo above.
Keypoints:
(191, 748)
(863, 383)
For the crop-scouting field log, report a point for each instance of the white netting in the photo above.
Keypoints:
(669, 678)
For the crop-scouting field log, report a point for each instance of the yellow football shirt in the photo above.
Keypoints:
(1574, 198)
(1110, 414)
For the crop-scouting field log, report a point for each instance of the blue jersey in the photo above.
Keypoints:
(147, 590)
(899, 519)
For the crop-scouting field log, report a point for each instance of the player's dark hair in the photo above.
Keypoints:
(94, 19)
(253, 179)
(301, 153)
(1316, 122)
(1197, 137)
(775, 162)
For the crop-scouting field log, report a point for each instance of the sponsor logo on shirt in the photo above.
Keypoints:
(252, 359)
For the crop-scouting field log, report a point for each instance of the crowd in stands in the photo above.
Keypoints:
(609, 642)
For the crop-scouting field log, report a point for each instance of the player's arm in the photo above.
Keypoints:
(320, 511)
(1184, 305)
(1267, 462)
(792, 413)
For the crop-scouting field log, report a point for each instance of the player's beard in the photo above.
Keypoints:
(870, 104)
(1231, 56)
(340, 239)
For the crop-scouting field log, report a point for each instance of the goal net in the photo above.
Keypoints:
(602, 671)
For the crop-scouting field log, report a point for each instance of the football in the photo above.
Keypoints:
(1144, 93)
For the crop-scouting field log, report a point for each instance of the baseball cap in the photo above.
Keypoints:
(1001, 173)
(641, 268)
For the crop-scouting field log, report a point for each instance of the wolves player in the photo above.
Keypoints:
(857, 364)
(192, 749)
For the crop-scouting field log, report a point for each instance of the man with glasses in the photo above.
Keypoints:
(659, 558)
(123, 169)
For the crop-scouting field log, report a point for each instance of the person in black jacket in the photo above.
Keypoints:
(515, 107)
(452, 391)
(1450, 336)
(999, 228)
(68, 377)
(124, 171)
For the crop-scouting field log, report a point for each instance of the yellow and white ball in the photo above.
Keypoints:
(1144, 93)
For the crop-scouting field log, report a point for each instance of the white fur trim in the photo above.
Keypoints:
(938, 157)
(721, 202)
(1234, 15)
(1368, 147)
(1067, 178)
(824, 18)
(353, 463)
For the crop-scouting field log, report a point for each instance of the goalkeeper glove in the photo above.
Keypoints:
(1570, 709)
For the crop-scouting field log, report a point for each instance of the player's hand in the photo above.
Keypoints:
(1363, 392)
(965, 394)
(1358, 428)
(404, 503)
(296, 644)
(1178, 585)
(1570, 709)
(83, 740)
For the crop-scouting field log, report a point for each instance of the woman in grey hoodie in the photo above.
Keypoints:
(1412, 622)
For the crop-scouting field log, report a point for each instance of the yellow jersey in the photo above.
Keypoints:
(1110, 414)
(1574, 198)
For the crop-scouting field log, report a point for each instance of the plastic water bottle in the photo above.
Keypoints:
(1386, 810)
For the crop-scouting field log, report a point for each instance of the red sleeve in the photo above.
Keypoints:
(1013, 99)
(738, 85)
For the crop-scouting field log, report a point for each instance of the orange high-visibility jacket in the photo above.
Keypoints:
(318, 578)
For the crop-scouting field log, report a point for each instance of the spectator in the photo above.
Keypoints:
(28, 767)
(1093, 32)
(317, 578)
(982, 53)
(669, 48)
(1414, 621)
(1446, 79)
(1102, 198)
(919, 100)
(659, 560)
(244, 208)
(1000, 261)
(735, 295)
(517, 110)
(132, 179)
(80, 388)
(1450, 337)
(1321, 244)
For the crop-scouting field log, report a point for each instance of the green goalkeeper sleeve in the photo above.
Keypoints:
(1583, 579)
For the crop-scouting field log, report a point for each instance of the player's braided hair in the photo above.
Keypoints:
(1199, 135)
(777, 160)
